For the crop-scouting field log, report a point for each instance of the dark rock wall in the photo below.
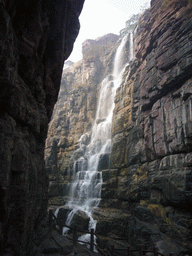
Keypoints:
(152, 132)
(35, 39)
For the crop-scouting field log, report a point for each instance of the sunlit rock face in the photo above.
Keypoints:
(75, 111)
(146, 191)
(35, 39)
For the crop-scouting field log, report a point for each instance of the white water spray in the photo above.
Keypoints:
(85, 191)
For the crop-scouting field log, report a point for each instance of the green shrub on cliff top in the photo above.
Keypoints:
(130, 24)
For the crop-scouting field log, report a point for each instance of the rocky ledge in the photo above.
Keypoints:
(74, 112)
(53, 244)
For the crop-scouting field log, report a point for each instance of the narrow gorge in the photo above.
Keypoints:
(105, 142)
(145, 172)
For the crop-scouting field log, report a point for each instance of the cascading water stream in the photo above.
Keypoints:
(85, 190)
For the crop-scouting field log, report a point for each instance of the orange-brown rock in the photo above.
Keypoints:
(75, 111)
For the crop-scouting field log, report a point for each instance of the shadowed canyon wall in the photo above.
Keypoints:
(35, 39)
(146, 193)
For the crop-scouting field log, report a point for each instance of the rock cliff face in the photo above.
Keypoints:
(35, 39)
(152, 139)
(146, 193)
(75, 111)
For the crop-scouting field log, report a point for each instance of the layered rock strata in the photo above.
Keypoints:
(75, 111)
(35, 39)
(146, 193)
(152, 133)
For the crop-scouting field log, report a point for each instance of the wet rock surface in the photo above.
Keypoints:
(146, 190)
(80, 218)
(75, 111)
(56, 245)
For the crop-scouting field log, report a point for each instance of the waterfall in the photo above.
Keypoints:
(85, 190)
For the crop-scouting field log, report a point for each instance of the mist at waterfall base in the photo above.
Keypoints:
(85, 189)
